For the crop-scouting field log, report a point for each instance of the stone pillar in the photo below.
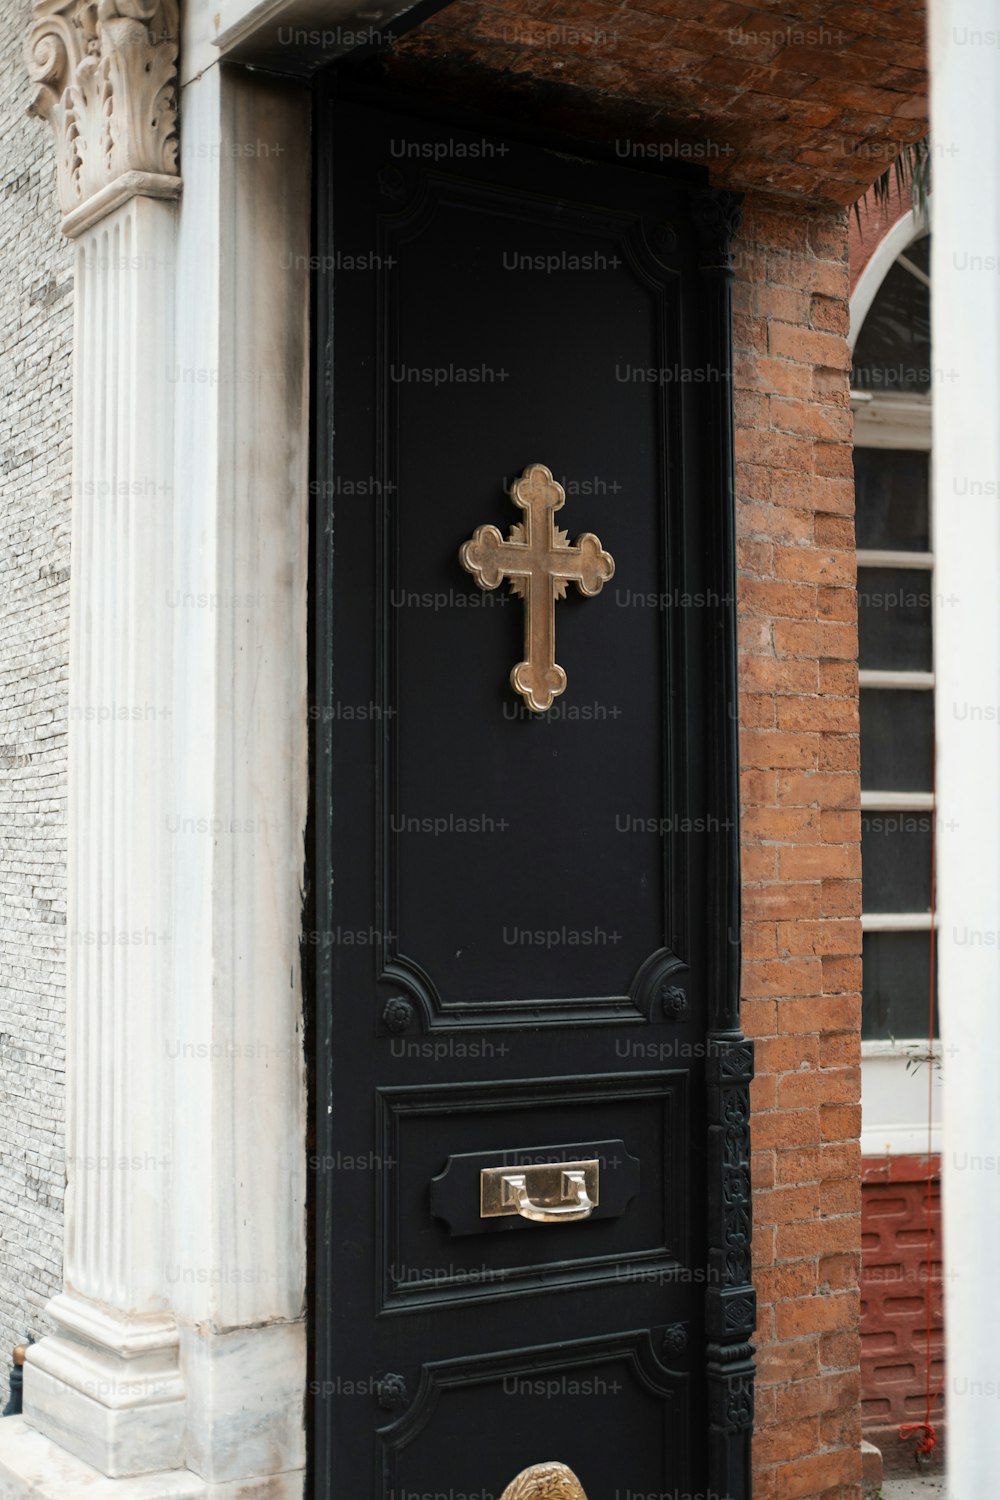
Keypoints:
(237, 1272)
(107, 1386)
(965, 116)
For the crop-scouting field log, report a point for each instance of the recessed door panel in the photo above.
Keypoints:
(629, 1392)
(429, 1254)
(548, 790)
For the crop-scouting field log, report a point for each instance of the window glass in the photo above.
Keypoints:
(897, 739)
(920, 253)
(893, 351)
(891, 499)
(894, 619)
(895, 985)
(896, 860)
(892, 359)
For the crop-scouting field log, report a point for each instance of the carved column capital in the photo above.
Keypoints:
(105, 76)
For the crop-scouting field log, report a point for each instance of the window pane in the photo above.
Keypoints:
(920, 253)
(894, 619)
(897, 739)
(893, 351)
(895, 985)
(896, 861)
(891, 488)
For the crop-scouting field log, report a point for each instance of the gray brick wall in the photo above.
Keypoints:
(35, 409)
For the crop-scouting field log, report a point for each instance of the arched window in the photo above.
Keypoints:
(892, 383)
(892, 354)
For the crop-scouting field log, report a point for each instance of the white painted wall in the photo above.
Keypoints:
(965, 100)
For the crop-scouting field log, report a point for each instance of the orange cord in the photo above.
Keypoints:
(929, 1441)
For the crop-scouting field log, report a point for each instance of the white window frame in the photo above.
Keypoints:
(894, 1077)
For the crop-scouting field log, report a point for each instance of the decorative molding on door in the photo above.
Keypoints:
(653, 995)
(730, 1306)
(408, 1281)
(640, 1371)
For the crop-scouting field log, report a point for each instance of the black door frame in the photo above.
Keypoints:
(730, 1303)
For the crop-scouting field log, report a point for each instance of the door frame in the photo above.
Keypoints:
(730, 1302)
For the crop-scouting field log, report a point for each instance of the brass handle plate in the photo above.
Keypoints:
(551, 1192)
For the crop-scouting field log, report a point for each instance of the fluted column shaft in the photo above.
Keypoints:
(115, 1356)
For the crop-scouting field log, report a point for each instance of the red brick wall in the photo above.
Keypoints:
(801, 853)
(870, 225)
(898, 1260)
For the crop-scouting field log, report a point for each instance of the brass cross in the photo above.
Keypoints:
(539, 563)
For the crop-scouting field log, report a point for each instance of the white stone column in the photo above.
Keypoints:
(108, 1385)
(965, 101)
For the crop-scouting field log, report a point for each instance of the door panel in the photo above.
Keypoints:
(553, 383)
(524, 920)
(510, 1123)
(591, 1397)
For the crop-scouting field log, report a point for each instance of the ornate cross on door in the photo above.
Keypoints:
(539, 562)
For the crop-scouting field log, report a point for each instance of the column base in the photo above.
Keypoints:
(107, 1388)
(244, 1400)
(33, 1467)
(129, 1396)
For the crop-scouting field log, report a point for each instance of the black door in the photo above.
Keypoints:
(526, 922)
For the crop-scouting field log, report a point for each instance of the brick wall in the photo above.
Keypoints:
(805, 99)
(801, 852)
(872, 222)
(35, 333)
(900, 1265)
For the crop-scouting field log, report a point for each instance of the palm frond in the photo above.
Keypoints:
(911, 168)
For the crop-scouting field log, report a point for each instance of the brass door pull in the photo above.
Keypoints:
(573, 1187)
(547, 1193)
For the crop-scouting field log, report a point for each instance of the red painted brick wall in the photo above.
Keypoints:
(801, 853)
(900, 1262)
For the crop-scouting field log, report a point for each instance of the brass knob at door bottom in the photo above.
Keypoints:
(548, 1481)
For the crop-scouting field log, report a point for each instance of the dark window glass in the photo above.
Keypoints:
(896, 860)
(894, 619)
(893, 351)
(920, 254)
(897, 739)
(895, 985)
(891, 498)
